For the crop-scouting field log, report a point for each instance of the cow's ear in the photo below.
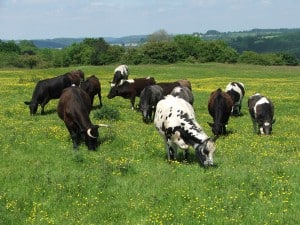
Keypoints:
(210, 124)
(274, 120)
(27, 103)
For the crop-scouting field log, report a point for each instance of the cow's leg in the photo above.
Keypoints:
(185, 154)
(46, 100)
(92, 100)
(172, 151)
(75, 134)
(132, 100)
(153, 109)
(150, 114)
(169, 151)
(100, 98)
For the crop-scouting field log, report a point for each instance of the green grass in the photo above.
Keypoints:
(128, 180)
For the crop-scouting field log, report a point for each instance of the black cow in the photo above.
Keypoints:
(47, 89)
(120, 73)
(168, 86)
(129, 89)
(236, 90)
(92, 86)
(149, 98)
(184, 93)
(73, 108)
(261, 110)
(219, 107)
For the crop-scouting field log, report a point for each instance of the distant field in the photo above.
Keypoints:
(128, 180)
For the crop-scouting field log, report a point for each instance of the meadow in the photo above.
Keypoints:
(128, 179)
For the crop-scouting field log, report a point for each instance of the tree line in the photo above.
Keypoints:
(160, 48)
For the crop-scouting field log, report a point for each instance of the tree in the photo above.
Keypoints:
(9, 46)
(158, 36)
(27, 47)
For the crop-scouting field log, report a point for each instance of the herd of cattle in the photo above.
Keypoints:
(168, 104)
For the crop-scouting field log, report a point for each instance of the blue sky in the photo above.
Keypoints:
(41, 19)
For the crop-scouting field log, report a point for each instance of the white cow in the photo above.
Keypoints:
(236, 90)
(120, 73)
(176, 123)
(261, 110)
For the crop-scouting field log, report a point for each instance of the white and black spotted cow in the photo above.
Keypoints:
(236, 90)
(120, 73)
(176, 123)
(261, 110)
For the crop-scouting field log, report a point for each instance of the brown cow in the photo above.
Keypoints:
(219, 107)
(73, 108)
(92, 86)
(131, 88)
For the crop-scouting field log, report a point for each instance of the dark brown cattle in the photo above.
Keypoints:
(92, 86)
(168, 87)
(129, 89)
(51, 88)
(73, 108)
(219, 107)
(45, 90)
(185, 83)
(76, 76)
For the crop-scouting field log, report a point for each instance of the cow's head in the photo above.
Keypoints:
(205, 151)
(32, 107)
(113, 92)
(91, 137)
(266, 127)
(146, 111)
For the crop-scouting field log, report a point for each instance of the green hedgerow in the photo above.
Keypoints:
(107, 112)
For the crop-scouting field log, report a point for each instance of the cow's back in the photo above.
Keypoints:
(73, 100)
(173, 113)
(140, 83)
(219, 101)
(168, 86)
(91, 85)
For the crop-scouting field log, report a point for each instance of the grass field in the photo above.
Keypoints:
(128, 180)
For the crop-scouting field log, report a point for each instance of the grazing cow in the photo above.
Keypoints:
(129, 89)
(120, 73)
(149, 98)
(92, 86)
(168, 86)
(73, 108)
(219, 107)
(47, 89)
(261, 110)
(175, 121)
(236, 90)
(184, 93)
(185, 83)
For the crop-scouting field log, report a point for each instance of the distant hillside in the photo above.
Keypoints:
(64, 42)
(56, 42)
(257, 40)
(260, 40)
